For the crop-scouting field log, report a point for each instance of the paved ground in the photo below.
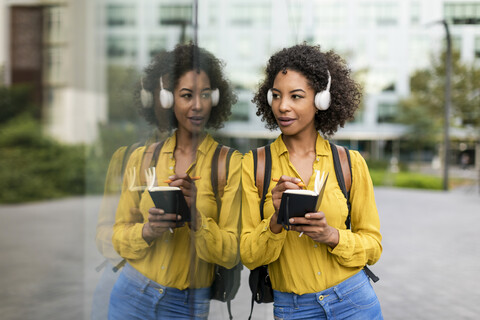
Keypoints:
(430, 267)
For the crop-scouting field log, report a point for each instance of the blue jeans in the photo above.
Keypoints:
(353, 299)
(134, 296)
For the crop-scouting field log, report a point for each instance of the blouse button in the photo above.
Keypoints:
(319, 273)
(171, 168)
(318, 159)
(315, 245)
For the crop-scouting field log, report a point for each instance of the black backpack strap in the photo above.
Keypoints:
(343, 171)
(262, 167)
(262, 163)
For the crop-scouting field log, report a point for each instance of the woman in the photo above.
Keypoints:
(169, 267)
(316, 266)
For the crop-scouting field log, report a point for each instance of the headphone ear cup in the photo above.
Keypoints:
(166, 99)
(322, 100)
(269, 97)
(146, 97)
(215, 97)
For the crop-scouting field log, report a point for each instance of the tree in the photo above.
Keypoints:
(122, 82)
(423, 110)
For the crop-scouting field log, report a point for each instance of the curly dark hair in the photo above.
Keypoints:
(313, 64)
(172, 65)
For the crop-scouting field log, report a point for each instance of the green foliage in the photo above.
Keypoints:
(423, 110)
(405, 180)
(15, 100)
(123, 82)
(33, 167)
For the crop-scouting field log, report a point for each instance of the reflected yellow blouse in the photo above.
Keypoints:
(299, 264)
(183, 259)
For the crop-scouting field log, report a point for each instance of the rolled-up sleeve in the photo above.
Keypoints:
(362, 244)
(258, 244)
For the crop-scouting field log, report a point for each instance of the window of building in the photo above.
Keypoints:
(387, 112)
(175, 14)
(54, 65)
(54, 23)
(250, 14)
(240, 111)
(121, 47)
(156, 45)
(331, 13)
(120, 15)
(386, 13)
(415, 12)
(462, 13)
(381, 13)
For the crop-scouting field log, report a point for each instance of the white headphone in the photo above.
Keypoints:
(146, 97)
(322, 98)
(166, 97)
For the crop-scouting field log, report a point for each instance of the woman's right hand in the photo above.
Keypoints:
(284, 183)
(159, 222)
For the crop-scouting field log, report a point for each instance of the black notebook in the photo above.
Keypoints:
(171, 200)
(296, 203)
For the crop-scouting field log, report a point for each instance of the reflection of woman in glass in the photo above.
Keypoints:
(316, 267)
(169, 267)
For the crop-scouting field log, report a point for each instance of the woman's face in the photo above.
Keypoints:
(192, 101)
(293, 103)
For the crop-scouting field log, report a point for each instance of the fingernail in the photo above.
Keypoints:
(171, 177)
(292, 220)
(307, 216)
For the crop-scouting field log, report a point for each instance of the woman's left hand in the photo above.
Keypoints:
(315, 226)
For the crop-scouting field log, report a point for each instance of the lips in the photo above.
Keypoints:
(196, 120)
(285, 121)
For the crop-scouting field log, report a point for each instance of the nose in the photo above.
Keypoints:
(283, 107)
(197, 103)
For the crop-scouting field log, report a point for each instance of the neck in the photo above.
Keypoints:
(301, 144)
(187, 141)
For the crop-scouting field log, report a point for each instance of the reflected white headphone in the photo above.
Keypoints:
(146, 97)
(322, 98)
(166, 97)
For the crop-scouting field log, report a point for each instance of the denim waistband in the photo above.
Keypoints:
(335, 292)
(144, 282)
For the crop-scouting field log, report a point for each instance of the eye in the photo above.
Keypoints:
(296, 96)
(186, 95)
(206, 95)
(275, 96)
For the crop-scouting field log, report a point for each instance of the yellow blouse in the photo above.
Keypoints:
(299, 264)
(170, 260)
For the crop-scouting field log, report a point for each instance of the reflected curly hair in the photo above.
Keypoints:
(313, 64)
(172, 65)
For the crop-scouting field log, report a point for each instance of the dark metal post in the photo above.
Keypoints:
(448, 94)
